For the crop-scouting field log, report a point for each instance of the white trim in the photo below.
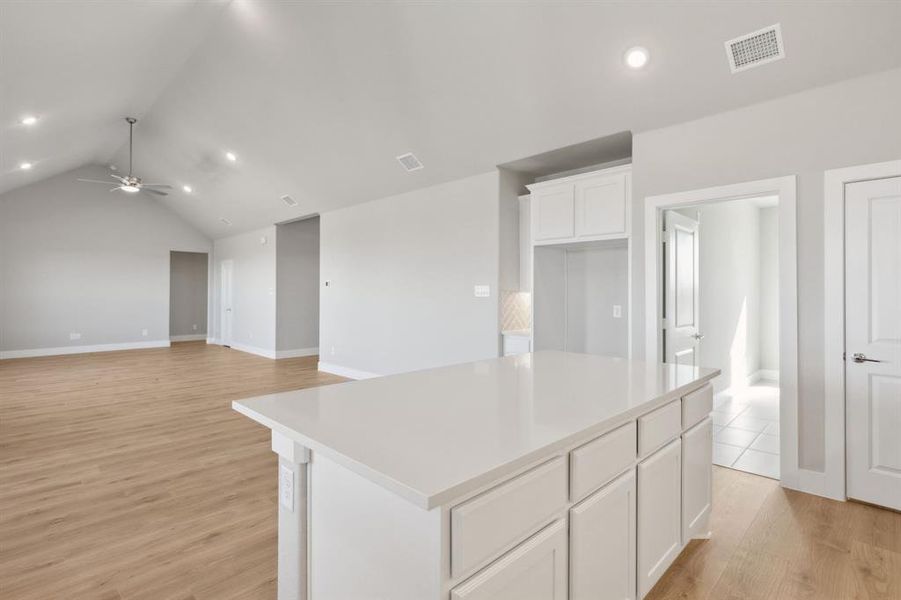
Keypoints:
(766, 375)
(212, 340)
(297, 352)
(187, 338)
(264, 352)
(786, 189)
(834, 182)
(345, 371)
(82, 349)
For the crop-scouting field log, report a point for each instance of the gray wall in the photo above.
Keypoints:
(77, 258)
(297, 285)
(597, 279)
(401, 272)
(188, 280)
(253, 289)
(849, 123)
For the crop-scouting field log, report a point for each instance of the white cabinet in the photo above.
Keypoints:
(659, 514)
(553, 213)
(584, 207)
(602, 543)
(697, 484)
(534, 570)
(600, 206)
(517, 342)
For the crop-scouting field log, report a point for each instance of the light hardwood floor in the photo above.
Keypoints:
(127, 475)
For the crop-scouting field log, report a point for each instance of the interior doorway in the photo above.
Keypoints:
(722, 292)
(297, 288)
(188, 296)
(720, 309)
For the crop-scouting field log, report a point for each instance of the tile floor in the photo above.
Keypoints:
(746, 429)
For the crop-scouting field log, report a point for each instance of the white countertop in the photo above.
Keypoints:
(431, 436)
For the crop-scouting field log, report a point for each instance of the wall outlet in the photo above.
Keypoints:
(194, 326)
(481, 291)
(144, 332)
(617, 311)
(286, 487)
(332, 350)
(74, 336)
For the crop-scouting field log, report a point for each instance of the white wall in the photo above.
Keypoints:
(253, 289)
(78, 258)
(401, 272)
(297, 286)
(849, 123)
(188, 299)
(769, 289)
(549, 298)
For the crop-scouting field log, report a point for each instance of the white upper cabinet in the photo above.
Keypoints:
(553, 213)
(584, 207)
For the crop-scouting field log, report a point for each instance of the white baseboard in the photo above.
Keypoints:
(82, 349)
(345, 371)
(187, 338)
(265, 352)
(296, 353)
(767, 375)
(211, 340)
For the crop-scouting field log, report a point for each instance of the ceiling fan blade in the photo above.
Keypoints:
(156, 185)
(95, 181)
(122, 179)
(157, 192)
(115, 188)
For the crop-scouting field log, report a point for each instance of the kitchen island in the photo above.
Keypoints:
(548, 476)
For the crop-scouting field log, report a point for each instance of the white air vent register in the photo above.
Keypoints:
(756, 48)
(409, 162)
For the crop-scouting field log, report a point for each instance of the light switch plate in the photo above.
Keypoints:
(617, 311)
(481, 291)
(286, 487)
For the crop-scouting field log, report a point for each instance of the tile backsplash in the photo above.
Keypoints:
(516, 310)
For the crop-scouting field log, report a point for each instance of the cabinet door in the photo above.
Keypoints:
(534, 570)
(552, 213)
(659, 514)
(601, 206)
(697, 473)
(602, 543)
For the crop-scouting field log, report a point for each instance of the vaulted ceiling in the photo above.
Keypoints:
(317, 99)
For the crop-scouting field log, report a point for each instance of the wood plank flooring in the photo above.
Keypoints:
(126, 475)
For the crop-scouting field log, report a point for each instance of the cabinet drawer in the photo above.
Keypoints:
(658, 427)
(600, 460)
(696, 406)
(495, 520)
(516, 344)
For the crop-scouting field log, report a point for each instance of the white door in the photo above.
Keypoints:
(681, 285)
(226, 271)
(553, 214)
(534, 570)
(659, 514)
(873, 340)
(602, 542)
(697, 480)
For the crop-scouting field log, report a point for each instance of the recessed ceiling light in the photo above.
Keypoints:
(29, 120)
(187, 188)
(637, 57)
(25, 166)
(231, 156)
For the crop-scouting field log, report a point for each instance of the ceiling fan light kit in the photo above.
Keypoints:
(132, 184)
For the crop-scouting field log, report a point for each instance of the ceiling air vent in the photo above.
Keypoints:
(289, 200)
(226, 221)
(755, 49)
(409, 162)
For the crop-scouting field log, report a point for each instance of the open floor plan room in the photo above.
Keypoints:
(450, 300)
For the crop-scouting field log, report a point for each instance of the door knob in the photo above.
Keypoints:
(862, 358)
(698, 336)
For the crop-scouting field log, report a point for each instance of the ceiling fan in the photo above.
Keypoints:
(132, 184)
